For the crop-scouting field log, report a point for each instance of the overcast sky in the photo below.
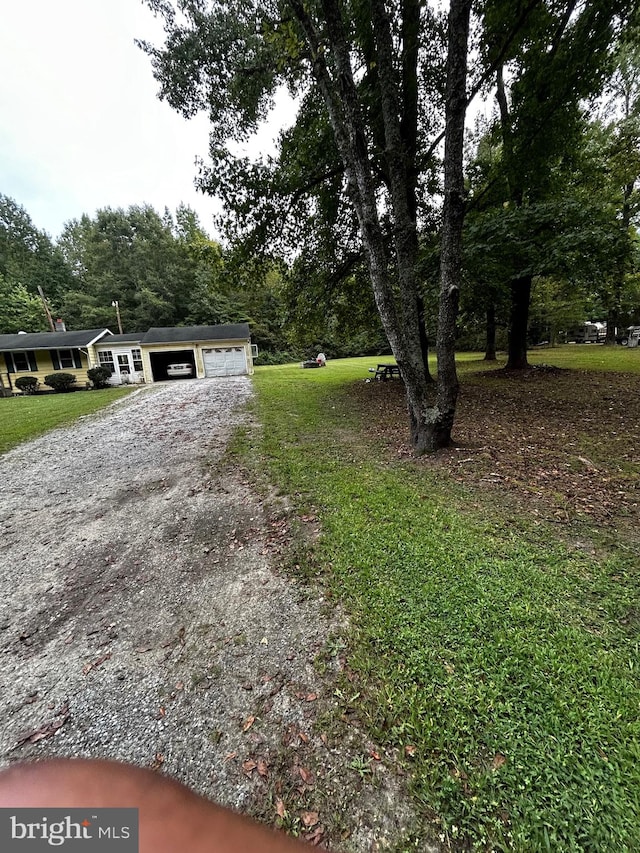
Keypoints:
(80, 124)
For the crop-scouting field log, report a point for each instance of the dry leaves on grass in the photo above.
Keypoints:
(558, 443)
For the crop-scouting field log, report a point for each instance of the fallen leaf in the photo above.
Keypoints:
(263, 769)
(249, 766)
(316, 836)
(158, 761)
(46, 730)
(375, 755)
(248, 723)
(303, 737)
(230, 756)
(409, 751)
(305, 775)
(306, 697)
(95, 664)
(310, 819)
(498, 761)
(280, 809)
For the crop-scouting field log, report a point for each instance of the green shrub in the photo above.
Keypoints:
(60, 382)
(27, 384)
(99, 376)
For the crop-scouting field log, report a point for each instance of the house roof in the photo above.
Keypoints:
(51, 340)
(128, 338)
(182, 334)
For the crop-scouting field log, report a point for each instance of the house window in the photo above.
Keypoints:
(64, 359)
(136, 355)
(105, 357)
(21, 362)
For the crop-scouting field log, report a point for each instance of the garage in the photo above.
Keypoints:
(223, 350)
(161, 360)
(224, 361)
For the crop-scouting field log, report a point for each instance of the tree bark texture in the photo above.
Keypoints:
(614, 312)
(452, 216)
(393, 278)
(519, 322)
(490, 346)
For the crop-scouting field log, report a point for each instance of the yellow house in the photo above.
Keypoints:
(41, 353)
(199, 351)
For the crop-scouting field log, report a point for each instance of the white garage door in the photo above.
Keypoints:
(224, 361)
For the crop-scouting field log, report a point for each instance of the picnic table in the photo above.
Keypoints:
(385, 371)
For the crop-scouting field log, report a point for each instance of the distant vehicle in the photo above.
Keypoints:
(589, 333)
(630, 337)
(179, 370)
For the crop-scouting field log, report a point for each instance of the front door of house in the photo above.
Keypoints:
(124, 365)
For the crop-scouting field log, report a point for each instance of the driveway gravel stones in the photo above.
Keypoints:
(143, 618)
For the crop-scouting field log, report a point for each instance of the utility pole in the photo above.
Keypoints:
(45, 305)
(117, 307)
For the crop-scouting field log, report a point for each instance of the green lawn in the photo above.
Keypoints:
(22, 418)
(589, 357)
(498, 657)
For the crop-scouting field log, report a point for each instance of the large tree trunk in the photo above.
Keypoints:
(452, 217)
(520, 287)
(424, 339)
(519, 322)
(614, 313)
(490, 345)
(396, 292)
(613, 321)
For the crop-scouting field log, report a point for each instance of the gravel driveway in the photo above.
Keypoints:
(142, 616)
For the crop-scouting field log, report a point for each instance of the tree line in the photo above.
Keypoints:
(164, 270)
(161, 270)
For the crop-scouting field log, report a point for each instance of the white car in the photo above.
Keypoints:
(174, 370)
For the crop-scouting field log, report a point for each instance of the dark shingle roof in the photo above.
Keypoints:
(182, 334)
(50, 340)
(128, 338)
